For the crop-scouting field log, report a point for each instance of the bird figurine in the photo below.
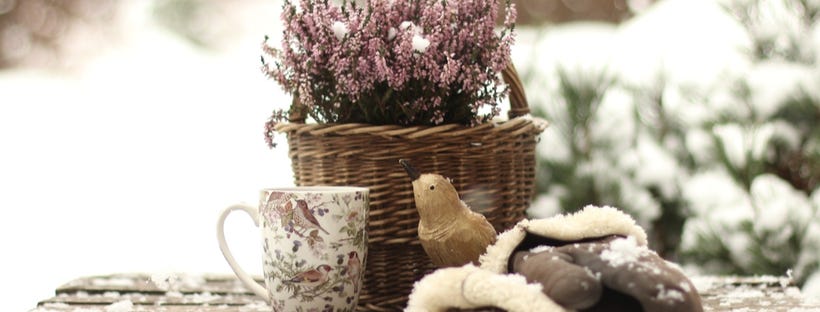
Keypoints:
(303, 218)
(354, 269)
(312, 277)
(450, 233)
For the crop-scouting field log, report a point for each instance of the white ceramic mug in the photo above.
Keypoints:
(314, 243)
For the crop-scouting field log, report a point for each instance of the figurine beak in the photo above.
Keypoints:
(412, 172)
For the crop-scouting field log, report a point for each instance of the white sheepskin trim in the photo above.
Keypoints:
(440, 290)
(471, 287)
(590, 222)
(509, 292)
(496, 256)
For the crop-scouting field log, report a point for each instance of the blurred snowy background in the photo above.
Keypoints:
(699, 118)
(122, 142)
(126, 126)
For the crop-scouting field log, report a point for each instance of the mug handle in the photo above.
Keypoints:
(223, 246)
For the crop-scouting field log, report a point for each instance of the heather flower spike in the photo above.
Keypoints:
(425, 62)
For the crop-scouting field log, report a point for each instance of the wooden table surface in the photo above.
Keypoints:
(183, 292)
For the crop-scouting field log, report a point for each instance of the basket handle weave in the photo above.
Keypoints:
(518, 99)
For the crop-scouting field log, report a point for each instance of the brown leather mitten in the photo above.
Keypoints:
(568, 284)
(607, 274)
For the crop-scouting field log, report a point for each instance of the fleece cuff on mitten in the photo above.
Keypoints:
(590, 222)
(469, 287)
(473, 287)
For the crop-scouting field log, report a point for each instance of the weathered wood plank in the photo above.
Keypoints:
(169, 298)
(55, 307)
(762, 293)
(143, 283)
(187, 293)
(143, 292)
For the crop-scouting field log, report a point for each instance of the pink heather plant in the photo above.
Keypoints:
(405, 62)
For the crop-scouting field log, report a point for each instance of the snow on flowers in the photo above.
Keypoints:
(424, 62)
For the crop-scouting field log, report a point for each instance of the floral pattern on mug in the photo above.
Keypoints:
(304, 223)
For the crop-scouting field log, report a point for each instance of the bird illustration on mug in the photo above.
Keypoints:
(303, 218)
(354, 269)
(278, 207)
(312, 277)
(300, 219)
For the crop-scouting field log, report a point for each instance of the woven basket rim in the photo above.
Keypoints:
(524, 124)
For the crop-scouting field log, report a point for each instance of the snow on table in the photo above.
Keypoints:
(143, 292)
(183, 293)
(754, 293)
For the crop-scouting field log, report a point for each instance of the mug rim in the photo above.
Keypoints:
(317, 189)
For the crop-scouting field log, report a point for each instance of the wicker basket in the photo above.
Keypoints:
(492, 166)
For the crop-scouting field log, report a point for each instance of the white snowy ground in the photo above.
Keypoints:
(124, 165)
